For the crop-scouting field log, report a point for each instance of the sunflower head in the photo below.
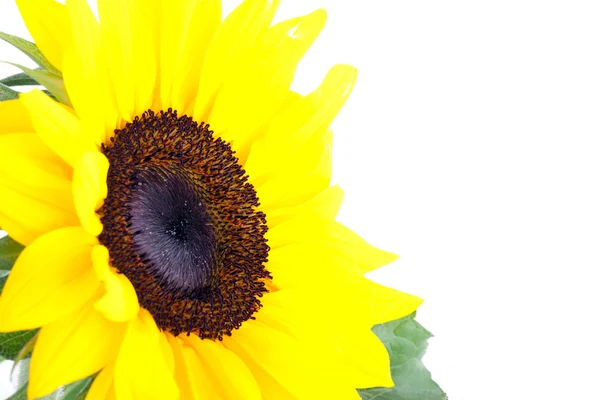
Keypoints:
(174, 198)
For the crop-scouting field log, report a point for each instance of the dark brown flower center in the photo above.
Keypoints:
(180, 221)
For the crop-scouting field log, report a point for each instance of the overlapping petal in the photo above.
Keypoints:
(35, 187)
(71, 348)
(48, 23)
(51, 278)
(90, 189)
(15, 117)
(119, 301)
(142, 371)
(234, 75)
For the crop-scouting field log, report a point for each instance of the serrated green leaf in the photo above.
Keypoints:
(406, 341)
(12, 342)
(7, 93)
(53, 81)
(30, 50)
(9, 251)
(21, 79)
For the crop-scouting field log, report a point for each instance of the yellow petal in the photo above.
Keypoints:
(292, 376)
(324, 206)
(35, 187)
(129, 54)
(141, 370)
(48, 23)
(51, 278)
(303, 228)
(353, 356)
(230, 375)
(72, 348)
(90, 189)
(28, 166)
(85, 73)
(251, 96)
(25, 218)
(339, 280)
(119, 302)
(291, 141)
(182, 377)
(329, 98)
(235, 36)
(299, 187)
(191, 375)
(57, 127)
(188, 28)
(14, 117)
(103, 386)
(366, 359)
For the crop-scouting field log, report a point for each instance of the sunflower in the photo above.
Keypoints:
(177, 212)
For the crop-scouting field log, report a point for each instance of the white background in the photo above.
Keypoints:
(470, 146)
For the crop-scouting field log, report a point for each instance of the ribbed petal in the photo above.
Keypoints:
(72, 348)
(262, 347)
(26, 218)
(119, 302)
(230, 375)
(366, 359)
(51, 278)
(48, 23)
(250, 97)
(142, 371)
(286, 150)
(58, 127)
(35, 187)
(103, 387)
(190, 373)
(352, 357)
(90, 189)
(340, 280)
(312, 177)
(129, 54)
(339, 239)
(14, 117)
(187, 29)
(85, 73)
(234, 37)
(324, 206)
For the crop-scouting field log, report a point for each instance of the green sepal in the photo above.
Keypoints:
(7, 93)
(51, 80)
(9, 251)
(12, 343)
(21, 79)
(406, 341)
(30, 50)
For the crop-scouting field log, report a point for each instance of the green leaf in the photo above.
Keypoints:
(30, 49)
(11, 343)
(21, 79)
(53, 81)
(2, 282)
(7, 93)
(20, 394)
(74, 391)
(9, 251)
(406, 341)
